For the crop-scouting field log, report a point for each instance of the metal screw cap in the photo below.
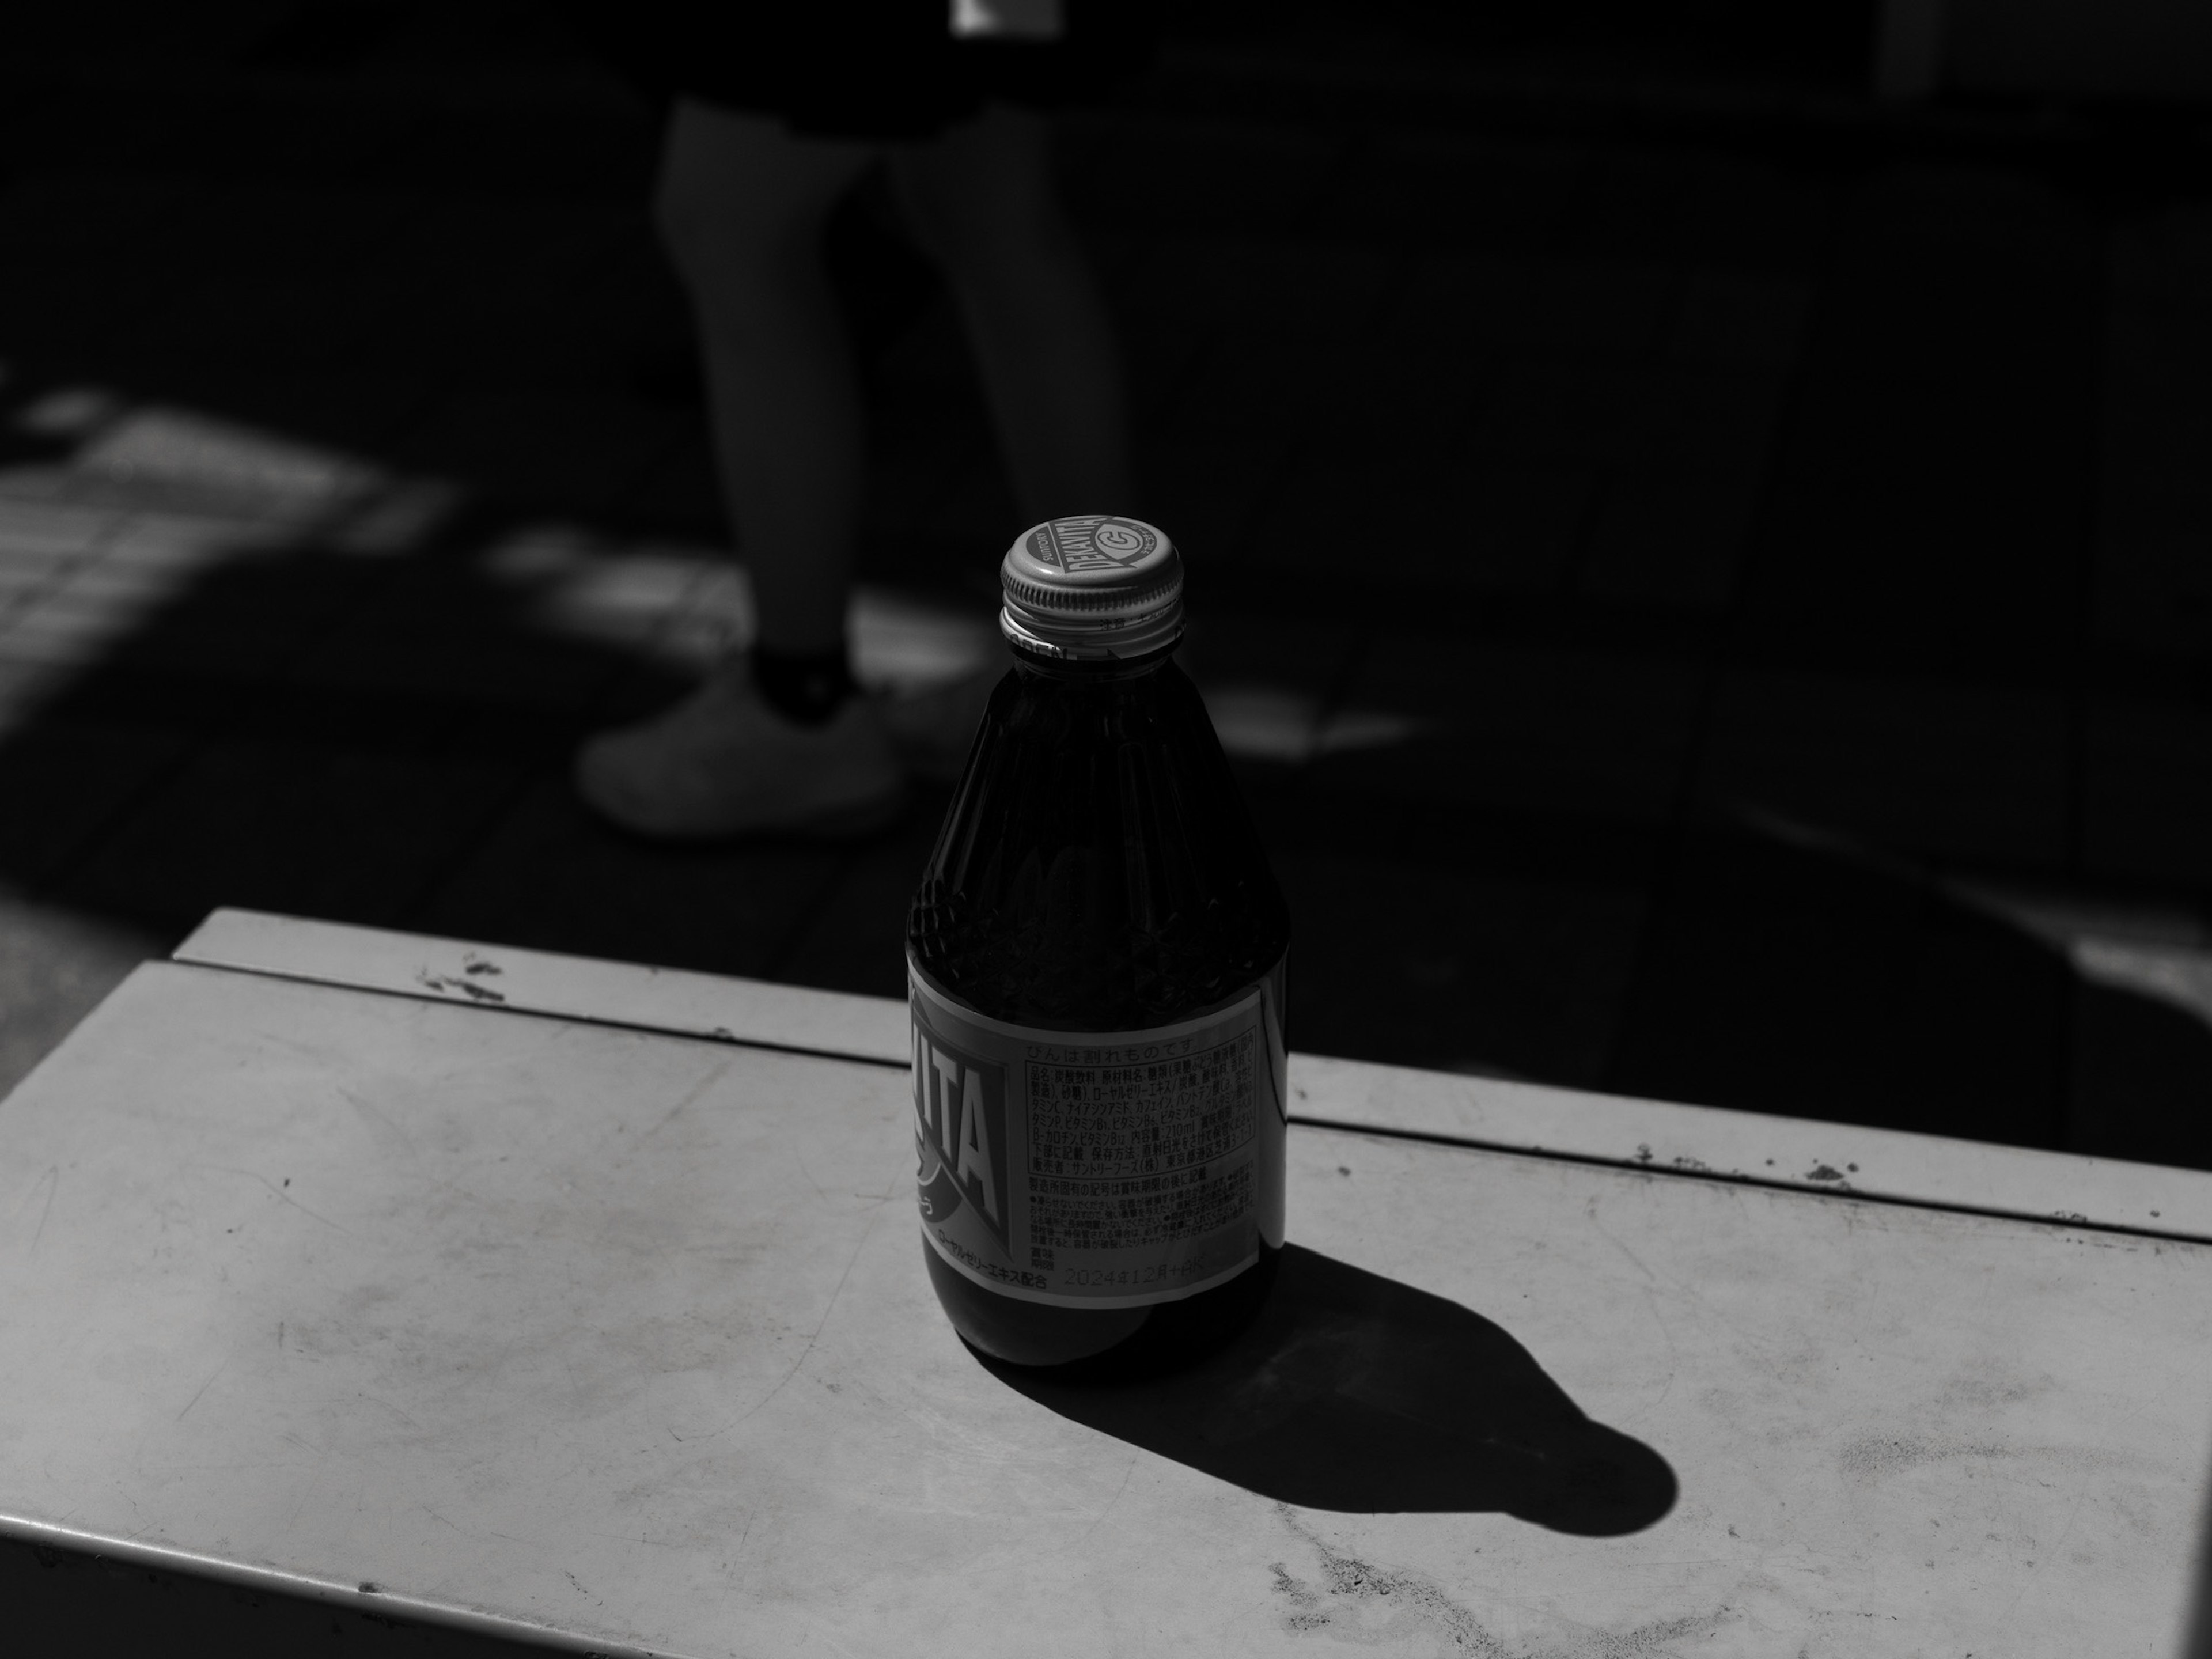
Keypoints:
(1094, 585)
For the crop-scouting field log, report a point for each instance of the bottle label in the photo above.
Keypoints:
(1099, 1168)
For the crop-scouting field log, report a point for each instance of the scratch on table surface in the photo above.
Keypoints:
(2019, 1594)
(204, 1388)
(53, 1186)
(363, 1393)
(308, 1487)
(814, 1336)
(809, 1174)
(487, 1531)
(1128, 1475)
(1589, 1214)
(715, 1074)
(382, 1118)
(280, 1192)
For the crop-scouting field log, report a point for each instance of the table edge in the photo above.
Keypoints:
(1803, 1154)
(376, 1602)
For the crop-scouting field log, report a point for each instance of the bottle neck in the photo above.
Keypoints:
(1092, 671)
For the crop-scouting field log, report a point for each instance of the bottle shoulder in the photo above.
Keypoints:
(1098, 868)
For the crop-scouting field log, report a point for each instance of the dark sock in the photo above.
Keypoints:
(807, 687)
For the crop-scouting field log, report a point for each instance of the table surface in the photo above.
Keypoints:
(524, 1311)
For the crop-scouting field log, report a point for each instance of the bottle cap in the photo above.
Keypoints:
(1094, 586)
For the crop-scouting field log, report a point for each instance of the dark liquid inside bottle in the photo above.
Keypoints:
(1098, 872)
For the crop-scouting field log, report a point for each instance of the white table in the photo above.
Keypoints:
(586, 1303)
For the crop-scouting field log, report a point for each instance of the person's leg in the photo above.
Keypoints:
(740, 205)
(981, 202)
(773, 742)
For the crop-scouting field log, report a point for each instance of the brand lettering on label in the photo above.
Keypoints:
(1091, 544)
(975, 1171)
(948, 1079)
(960, 1131)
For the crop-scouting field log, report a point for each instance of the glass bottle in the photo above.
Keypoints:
(1095, 964)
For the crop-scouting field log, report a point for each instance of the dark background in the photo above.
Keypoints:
(1721, 561)
(1705, 573)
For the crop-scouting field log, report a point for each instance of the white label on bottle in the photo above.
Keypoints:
(1099, 1168)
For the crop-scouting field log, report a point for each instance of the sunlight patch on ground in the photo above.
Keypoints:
(119, 580)
(149, 498)
(2177, 976)
(686, 605)
(157, 444)
(2161, 953)
(1273, 723)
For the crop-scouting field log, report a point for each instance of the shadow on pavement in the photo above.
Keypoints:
(1790, 972)
(1353, 1392)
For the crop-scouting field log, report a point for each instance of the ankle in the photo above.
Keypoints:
(807, 688)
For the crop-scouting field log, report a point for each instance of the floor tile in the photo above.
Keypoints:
(1204, 174)
(483, 281)
(1272, 687)
(38, 531)
(1673, 532)
(1471, 524)
(576, 451)
(2141, 1079)
(296, 325)
(1549, 729)
(2154, 493)
(678, 492)
(976, 509)
(356, 415)
(550, 877)
(1925, 521)
(296, 828)
(1429, 966)
(608, 156)
(1752, 318)
(1540, 303)
(165, 597)
(1982, 272)
(89, 214)
(1563, 408)
(1970, 773)
(56, 967)
(855, 937)
(2147, 793)
(466, 646)
(1209, 495)
(27, 690)
(1283, 297)
(1782, 977)
(1458, 190)
(69, 781)
(53, 310)
(1740, 209)
(1226, 646)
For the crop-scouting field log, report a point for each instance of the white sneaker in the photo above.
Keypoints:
(723, 763)
(931, 732)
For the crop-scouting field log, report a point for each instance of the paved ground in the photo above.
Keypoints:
(1708, 587)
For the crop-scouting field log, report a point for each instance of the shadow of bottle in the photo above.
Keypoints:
(1353, 1392)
